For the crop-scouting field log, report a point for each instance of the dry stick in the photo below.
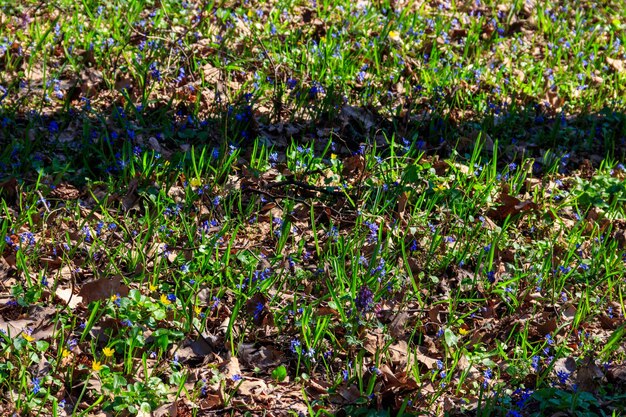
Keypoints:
(43, 201)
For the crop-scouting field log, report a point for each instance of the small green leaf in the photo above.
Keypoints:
(450, 338)
(42, 345)
(159, 314)
(280, 373)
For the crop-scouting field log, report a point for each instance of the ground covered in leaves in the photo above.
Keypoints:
(312, 208)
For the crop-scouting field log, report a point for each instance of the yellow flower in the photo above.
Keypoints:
(164, 299)
(440, 187)
(394, 37)
(195, 182)
(152, 287)
(114, 297)
(198, 310)
(65, 353)
(28, 337)
(333, 156)
(108, 352)
(96, 366)
(463, 331)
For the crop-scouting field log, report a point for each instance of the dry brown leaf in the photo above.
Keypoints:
(589, 375)
(363, 116)
(230, 367)
(15, 327)
(399, 355)
(197, 349)
(166, 410)
(397, 325)
(353, 167)
(211, 402)
(67, 295)
(259, 310)
(347, 395)
(102, 288)
(8, 190)
(547, 327)
(264, 358)
(373, 342)
(616, 64)
(420, 355)
(254, 387)
(567, 365)
(131, 197)
(510, 206)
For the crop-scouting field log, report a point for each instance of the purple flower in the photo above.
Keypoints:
(364, 299)
(563, 376)
(36, 385)
(71, 344)
(53, 127)
(154, 71)
(258, 309)
(296, 346)
(236, 378)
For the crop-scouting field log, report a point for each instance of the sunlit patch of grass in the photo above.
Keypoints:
(348, 205)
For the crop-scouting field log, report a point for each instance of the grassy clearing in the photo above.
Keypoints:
(285, 208)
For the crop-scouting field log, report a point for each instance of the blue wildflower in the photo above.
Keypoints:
(364, 299)
(36, 385)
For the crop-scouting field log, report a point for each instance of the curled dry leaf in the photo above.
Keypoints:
(254, 387)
